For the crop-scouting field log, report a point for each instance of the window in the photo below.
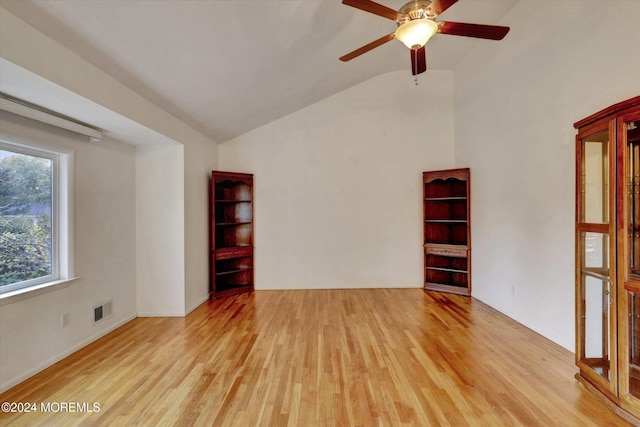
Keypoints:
(35, 240)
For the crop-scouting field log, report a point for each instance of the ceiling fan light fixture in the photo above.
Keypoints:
(416, 33)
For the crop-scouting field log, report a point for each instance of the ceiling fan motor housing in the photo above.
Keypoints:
(417, 9)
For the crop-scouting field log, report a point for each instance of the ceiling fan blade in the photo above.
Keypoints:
(418, 60)
(439, 6)
(366, 48)
(491, 32)
(373, 7)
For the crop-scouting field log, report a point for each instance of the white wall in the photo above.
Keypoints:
(338, 184)
(160, 230)
(171, 206)
(31, 335)
(172, 184)
(91, 95)
(515, 103)
(199, 160)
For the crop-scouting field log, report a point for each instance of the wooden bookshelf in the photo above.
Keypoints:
(231, 233)
(447, 231)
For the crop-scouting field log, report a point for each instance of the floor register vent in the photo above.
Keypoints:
(102, 311)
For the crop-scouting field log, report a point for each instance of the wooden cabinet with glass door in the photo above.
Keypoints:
(628, 135)
(595, 256)
(608, 254)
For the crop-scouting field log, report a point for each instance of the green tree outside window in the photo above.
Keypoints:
(25, 217)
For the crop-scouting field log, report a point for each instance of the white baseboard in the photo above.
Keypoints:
(160, 314)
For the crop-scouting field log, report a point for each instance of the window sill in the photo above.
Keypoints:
(32, 291)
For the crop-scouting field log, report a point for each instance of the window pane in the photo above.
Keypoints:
(26, 184)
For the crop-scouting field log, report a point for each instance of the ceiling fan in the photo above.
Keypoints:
(416, 25)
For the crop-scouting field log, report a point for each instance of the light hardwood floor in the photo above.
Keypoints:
(319, 357)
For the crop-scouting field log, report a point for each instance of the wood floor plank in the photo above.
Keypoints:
(366, 357)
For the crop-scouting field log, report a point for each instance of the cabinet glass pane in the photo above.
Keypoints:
(634, 344)
(596, 297)
(596, 253)
(595, 178)
(596, 294)
(633, 192)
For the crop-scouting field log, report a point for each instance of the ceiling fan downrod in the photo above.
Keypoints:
(414, 63)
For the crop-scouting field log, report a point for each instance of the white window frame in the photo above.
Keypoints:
(62, 236)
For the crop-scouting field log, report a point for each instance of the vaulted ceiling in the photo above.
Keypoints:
(226, 67)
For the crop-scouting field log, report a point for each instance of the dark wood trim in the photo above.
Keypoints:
(461, 174)
(594, 228)
(609, 111)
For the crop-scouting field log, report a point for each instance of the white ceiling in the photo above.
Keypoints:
(226, 67)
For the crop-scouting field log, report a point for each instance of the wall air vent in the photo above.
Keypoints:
(102, 311)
